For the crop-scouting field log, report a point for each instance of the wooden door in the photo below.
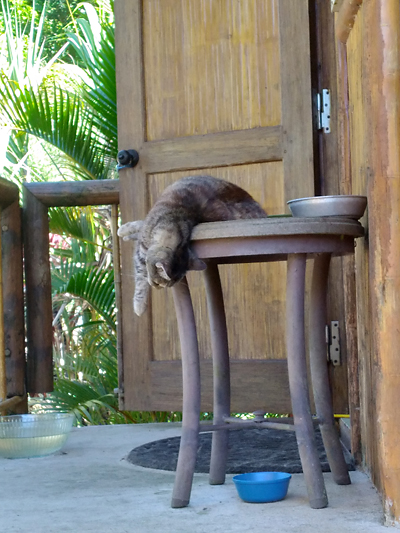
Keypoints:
(219, 87)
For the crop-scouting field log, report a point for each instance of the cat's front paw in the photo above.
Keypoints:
(130, 230)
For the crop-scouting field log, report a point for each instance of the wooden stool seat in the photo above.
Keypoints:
(264, 240)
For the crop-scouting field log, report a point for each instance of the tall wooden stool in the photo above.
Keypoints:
(264, 240)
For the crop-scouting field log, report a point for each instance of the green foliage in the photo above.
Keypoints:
(23, 64)
(77, 223)
(72, 113)
(94, 43)
(59, 118)
(25, 46)
(60, 114)
(96, 288)
(58, 18)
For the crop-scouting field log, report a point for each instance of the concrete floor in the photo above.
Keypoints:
(89, 487)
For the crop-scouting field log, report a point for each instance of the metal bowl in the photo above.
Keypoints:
(350, 206)
(34, 435)
(262, 487)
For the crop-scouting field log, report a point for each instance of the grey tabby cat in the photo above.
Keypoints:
(163, 256)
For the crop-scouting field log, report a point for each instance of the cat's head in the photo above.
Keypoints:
(166, 267)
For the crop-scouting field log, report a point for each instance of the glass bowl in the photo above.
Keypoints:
(34, 435)
(262, 487)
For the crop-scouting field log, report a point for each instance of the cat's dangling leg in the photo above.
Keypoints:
(141, 297)
(142, 286)
(130, 230)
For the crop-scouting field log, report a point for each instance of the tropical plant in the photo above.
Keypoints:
(84, 316)
(61, 106)
(22, 65)
(94, 44)
(38, 109)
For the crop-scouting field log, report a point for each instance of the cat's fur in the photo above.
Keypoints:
(163, 255)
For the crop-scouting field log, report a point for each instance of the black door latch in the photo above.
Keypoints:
(127, 159)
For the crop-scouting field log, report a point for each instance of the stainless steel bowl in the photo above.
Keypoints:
(350, 206)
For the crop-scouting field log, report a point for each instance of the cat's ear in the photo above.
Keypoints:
(162, 272)
(195, 263)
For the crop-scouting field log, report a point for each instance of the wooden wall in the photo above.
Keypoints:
(370, 70)
(359, 133)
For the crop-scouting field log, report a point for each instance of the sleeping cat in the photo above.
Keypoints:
(163, 255)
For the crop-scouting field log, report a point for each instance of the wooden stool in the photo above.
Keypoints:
(271, 239)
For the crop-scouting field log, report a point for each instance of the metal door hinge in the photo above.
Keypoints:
(333, 342)
(324, 110)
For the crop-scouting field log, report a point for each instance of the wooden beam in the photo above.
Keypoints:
(12, 403)
(13, 298)
(8, 193)
(268, 377)
(75, 193)
(345, 19)
(233, 147)
(38, 295)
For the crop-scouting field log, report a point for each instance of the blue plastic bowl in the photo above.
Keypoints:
(262, 487)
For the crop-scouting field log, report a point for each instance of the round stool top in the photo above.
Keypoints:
(271, 239)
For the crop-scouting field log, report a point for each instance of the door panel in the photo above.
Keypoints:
(210, 66)
(223, 88)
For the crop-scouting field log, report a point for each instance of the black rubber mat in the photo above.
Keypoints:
(250, 450)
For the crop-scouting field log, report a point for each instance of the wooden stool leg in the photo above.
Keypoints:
(191, 395)
(221, 374)
(298, 384)
(319, 371)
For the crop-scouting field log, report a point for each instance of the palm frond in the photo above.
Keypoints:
(61, 273)
(72, 221)
(81, 399)
(94, 286)
(94, 42)
(61, 119)
(97, 362)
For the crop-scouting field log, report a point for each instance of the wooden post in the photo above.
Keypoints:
(8, 193)
(12, 349)
(3, 377)
(118, 300)
(381, 26)
(348, 262)
(38, 295)
(13, 298)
